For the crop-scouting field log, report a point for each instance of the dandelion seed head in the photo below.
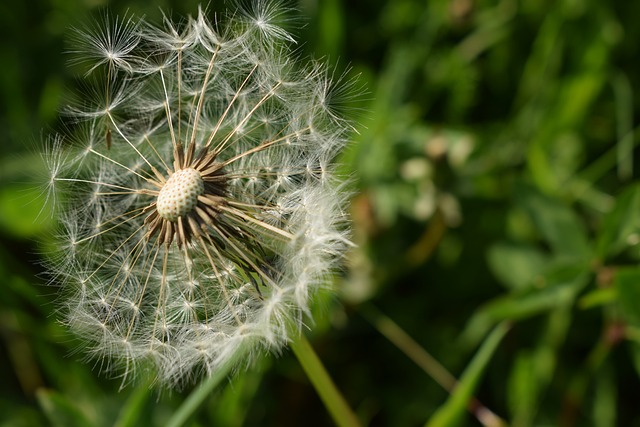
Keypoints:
(201, 211)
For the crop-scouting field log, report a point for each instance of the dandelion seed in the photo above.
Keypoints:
(210, 216)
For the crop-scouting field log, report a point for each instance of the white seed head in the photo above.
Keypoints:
(201, 211)
(179, 194)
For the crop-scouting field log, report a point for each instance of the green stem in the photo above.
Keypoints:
(330, 395)
(132, 411)
(452, 410)
(578, 388)
(394, 333)
(198, 396)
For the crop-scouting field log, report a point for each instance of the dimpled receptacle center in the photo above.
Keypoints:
(179, 195)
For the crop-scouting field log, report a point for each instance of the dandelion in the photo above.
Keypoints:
(198, 207)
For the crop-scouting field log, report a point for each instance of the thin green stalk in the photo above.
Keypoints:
(608, 160)
(198, 396)
(578, 388)
(133, 410)
(623, 94)
(452, 410)
(330, 395)
(421, 357)
(394, 333)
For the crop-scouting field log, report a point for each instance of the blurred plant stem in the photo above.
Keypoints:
(623, 94)
(198, 396)
(426, 362)
(421, 250)
(450, 413)
(330, 395)
(582, 184)
(20, 352)
(132, 412)
(574, 399)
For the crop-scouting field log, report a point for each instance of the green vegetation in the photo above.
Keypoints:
(495, 208)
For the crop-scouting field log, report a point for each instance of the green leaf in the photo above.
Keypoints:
(572, 99)
(558, 225)
(627, 283)
(60, 411)
(558, 288)
(621, 225)
(456, 406)
(515, 265)
(523, 389)
(605, 399)
(598, 297)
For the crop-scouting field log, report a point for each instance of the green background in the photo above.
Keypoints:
(494, 183)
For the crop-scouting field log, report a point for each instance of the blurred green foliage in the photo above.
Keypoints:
(495, 183)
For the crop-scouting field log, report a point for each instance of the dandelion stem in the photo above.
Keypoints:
(198, 396)
(132, 411)
(333, 400)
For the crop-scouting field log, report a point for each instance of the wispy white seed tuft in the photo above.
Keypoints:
(199, 212)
